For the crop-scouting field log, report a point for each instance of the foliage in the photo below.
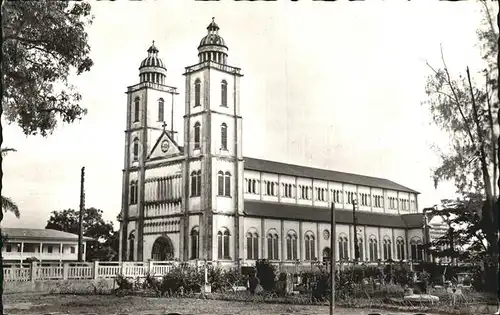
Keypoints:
(8, 205)
(43, 41)
(464, 109)
(266, 273)
(106, 239)
(224, 279)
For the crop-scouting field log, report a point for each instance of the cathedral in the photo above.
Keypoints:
(205, 200)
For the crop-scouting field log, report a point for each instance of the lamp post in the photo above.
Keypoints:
(355, 226)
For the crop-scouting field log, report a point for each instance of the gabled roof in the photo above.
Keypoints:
(316, 173)
(40, 234)
(285, 211)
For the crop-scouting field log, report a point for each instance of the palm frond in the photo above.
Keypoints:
(4, 151)
(10, 206)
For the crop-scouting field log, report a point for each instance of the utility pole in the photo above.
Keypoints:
(333, 257)
(355, 226)
(80, 217)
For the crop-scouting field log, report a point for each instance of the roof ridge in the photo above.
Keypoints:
(357, 177)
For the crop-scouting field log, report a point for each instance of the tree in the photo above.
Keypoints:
(464, 109)
(464, 239)
(42, 41)
(105, 246)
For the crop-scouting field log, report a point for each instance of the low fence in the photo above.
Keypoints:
(109, 270)
(84, 271)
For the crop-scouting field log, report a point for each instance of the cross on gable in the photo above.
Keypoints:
(164, 126)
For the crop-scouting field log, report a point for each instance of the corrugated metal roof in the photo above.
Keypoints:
(40, 234)
(309, 213)
(316, 173)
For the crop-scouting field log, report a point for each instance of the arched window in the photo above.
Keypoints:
(272, 245)
(223, 90)
(195, 183)
(373, 248)
(135, 149)
(131, 249)
(197, 135)
(387, 248)
(361, 248)
(197, 92)
(223, 244)
(343, 247)
(227, 184)
(223, 136)
(291, 245)
(310, 245)
(416, 249)
(137, 109)
(195, 242)
(224, 184)
(133, 192)
(161, 110)
(400, 248)
(252, 245)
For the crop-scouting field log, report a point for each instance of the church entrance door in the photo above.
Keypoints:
(163, 249)
(326, 254)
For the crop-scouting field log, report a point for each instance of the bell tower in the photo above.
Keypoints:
(150, 106)
(212, 139)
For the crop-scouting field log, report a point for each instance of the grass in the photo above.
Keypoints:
(109, 304)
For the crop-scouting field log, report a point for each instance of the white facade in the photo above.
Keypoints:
(206, 201)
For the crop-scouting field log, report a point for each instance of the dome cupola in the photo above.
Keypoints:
(152, 68)
(212, 47)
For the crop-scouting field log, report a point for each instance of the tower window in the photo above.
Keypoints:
(223, 89)
(223, 135)
(197, 92)
(137, 109)
(197, 135)
(161, 110)
(131, 238)
(224, 184)
(223, 244)
(133, 193)
(136, 150)
(195, 183)
(195, 239)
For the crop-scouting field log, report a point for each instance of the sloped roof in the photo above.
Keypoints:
(309, 213)
(40, 234)
(316, 173)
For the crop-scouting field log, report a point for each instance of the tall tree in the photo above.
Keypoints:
(464, 109)
(42, 42)
(105, 245)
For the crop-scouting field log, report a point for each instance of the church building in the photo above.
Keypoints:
(206, 200)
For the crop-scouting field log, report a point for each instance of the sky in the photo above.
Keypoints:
(335, 85)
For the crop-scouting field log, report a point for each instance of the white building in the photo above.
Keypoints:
(205, 200)
(46, 245)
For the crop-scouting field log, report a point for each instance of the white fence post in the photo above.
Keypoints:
(122, 268)
(33, 271)
(65, 270)
(150, 267)
(96, 269)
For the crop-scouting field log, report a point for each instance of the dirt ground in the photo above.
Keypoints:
(107, 304)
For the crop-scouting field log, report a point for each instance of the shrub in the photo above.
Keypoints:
(266, 274)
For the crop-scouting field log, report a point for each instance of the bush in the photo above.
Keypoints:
(266, 274)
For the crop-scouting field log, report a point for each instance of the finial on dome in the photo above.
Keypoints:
(213, 20)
